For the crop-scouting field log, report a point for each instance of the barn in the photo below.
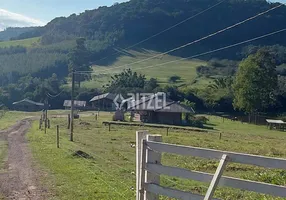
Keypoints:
(28, 106)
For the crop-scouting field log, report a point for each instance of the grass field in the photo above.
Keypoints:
(101, 164)
(31, 42)
(186, 69)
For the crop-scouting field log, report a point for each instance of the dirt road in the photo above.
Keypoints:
(19, 180)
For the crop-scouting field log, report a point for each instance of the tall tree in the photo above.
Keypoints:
(79, 60)
(126, 81)
(255, 83)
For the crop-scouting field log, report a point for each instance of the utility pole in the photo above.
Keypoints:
(72, 105)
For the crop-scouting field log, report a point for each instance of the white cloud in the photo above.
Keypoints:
(10, 19)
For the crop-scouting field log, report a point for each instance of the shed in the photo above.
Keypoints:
(28, 105)
(77, 104)
(275, 124)
(105, 102)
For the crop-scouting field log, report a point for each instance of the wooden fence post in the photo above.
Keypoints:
(168, 131)
(109, 127)
(153, 158)
(58, 136)
(140, 135)
(49, 124)
(69, 121)
(220, 135)
(40, 124)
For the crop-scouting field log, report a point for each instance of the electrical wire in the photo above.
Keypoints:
(161, 32)
(195, 41)
(54, 96)
(213, 51)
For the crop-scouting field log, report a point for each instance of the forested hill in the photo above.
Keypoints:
(124, 24)
(11, 33)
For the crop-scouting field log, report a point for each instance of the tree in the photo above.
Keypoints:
(79, 61)
(174, 79)
(221, 83)
(126, 81)
(255, 83)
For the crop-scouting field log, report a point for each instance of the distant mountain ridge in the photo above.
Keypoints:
(13, 32)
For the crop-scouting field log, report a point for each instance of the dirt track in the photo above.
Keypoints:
(19, 180)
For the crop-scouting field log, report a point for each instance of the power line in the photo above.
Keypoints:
(161, 32)
(213, 51)
(54, 96)
(196, 41)
(216, 50)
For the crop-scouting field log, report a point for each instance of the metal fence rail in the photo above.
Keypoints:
(150, 163)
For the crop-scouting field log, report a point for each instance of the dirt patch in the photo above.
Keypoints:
(82, 154)
(19, 179)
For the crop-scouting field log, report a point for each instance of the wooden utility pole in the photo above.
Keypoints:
(72, 106)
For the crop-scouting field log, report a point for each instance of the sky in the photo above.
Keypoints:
(18, 13)
(39, 12)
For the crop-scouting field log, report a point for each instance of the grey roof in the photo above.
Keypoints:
(29, 102)
(154, 103)
(67, 103)
(273, 121)
(109, 96)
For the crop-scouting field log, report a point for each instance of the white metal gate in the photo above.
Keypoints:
(149, 169)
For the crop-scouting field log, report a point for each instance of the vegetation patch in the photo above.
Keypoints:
(110, 175)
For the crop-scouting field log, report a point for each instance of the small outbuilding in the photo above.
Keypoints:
(276, 124)
(79, 105)
(28, 106)
(106, 102)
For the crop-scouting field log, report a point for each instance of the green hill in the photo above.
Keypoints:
(125, 24)
(186, 69)
(31, 42)
(10, 33)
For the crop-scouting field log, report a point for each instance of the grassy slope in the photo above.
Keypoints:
(184, 68)
(26, 42)
(108, 175)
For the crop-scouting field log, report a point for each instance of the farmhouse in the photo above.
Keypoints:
(28, 105)
(105, 102)
(79, 105)
(154, 109)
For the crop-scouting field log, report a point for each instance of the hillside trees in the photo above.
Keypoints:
(125, 24)
(255, 83)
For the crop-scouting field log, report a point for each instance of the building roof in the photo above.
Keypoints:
(28, 102)
(273, 121)
(158, 103)
(109, 96)
(67, 103)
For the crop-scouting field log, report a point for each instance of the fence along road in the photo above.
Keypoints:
(150, 149)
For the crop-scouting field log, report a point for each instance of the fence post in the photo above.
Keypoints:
(58, 136)
(140, 135)
(49, 124)
(109, 127)
(216, 177)
(153, 158)
(69, 121)
(40, 124)
(168, 131)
